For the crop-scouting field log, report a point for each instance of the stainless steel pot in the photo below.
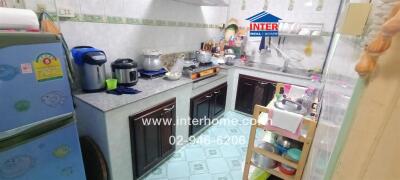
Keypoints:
(203, 56)
(152, 60)
(262, 161)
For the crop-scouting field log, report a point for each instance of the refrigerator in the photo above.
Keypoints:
(38, 134)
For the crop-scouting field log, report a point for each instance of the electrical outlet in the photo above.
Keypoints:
(65, 12)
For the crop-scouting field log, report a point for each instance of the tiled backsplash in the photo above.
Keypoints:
(123, 28)
(304, 11)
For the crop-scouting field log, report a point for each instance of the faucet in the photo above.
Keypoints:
(286, 58)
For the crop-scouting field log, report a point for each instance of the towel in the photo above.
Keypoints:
(296, 92)
(123, 90)
(285, 120)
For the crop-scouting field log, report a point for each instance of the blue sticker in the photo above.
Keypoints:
(22, 105)
(7, 72)
(53, 98)
(16, 166)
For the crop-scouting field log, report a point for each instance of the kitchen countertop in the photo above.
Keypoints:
(149, 87)
(263, 68)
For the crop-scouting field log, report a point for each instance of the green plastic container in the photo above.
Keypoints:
(111, 84)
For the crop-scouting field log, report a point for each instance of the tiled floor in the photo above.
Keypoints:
(219, 153)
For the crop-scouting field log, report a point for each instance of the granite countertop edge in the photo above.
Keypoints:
(94, 99)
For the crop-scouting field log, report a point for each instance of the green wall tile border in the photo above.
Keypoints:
(92, 18)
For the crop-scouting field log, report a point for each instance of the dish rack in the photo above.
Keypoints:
(299, 166)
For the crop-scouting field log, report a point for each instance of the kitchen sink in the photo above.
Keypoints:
(302, 73)
(264, 66)
(299, 72)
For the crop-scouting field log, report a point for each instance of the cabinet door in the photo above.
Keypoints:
(264, 92)
(167, 130)
(146, 143)
(245, 95)
(150, 139)
(219, 100)
(200, 110)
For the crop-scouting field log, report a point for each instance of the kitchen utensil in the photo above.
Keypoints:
(293, 154)
(179, 64)
(173, 75)
(266, 4)
(262, 161)
(291, 5)
(230, 60)
(308, 50)
(262, 44)
(152, 60)
(320, 5)
(111, 84)
(125, 71)
(91, 64)
(285, 169)
(291, 106)
(203, 56)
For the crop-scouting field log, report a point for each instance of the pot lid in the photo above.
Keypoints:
(124, 64)
(151, 52)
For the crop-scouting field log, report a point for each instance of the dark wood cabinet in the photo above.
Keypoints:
(150, 134)
(252, 91)
(206, 107)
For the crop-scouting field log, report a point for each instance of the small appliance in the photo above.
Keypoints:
(125, 71)
(202, 71)
(91, 64)
(152, 60)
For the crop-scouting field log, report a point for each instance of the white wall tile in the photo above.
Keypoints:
(95, 7)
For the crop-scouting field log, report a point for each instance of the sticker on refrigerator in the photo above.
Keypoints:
(26, 68)
(61, 151)
(16, 166)
(53, 98)
(47, 67)
(7, 72)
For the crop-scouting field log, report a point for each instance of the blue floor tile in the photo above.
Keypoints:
(201, 177)
(223, 176)
(195, 154)
(209, 159)
(217, 165)
(198, 167)
(178, 170)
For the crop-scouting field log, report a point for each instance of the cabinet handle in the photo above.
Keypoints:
(209, 96)
(248, 84)
(264, 83)
(169, 109)
(217, 92)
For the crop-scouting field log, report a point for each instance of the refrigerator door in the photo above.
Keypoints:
(55, 154)
(33, 80)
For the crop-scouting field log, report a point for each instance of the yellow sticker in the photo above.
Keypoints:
(47, 67)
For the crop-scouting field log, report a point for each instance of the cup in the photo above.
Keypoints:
(111, 84)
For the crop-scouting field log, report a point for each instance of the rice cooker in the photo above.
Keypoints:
(125, 71)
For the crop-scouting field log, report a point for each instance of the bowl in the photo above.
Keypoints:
(173, 75)
(285, 169)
